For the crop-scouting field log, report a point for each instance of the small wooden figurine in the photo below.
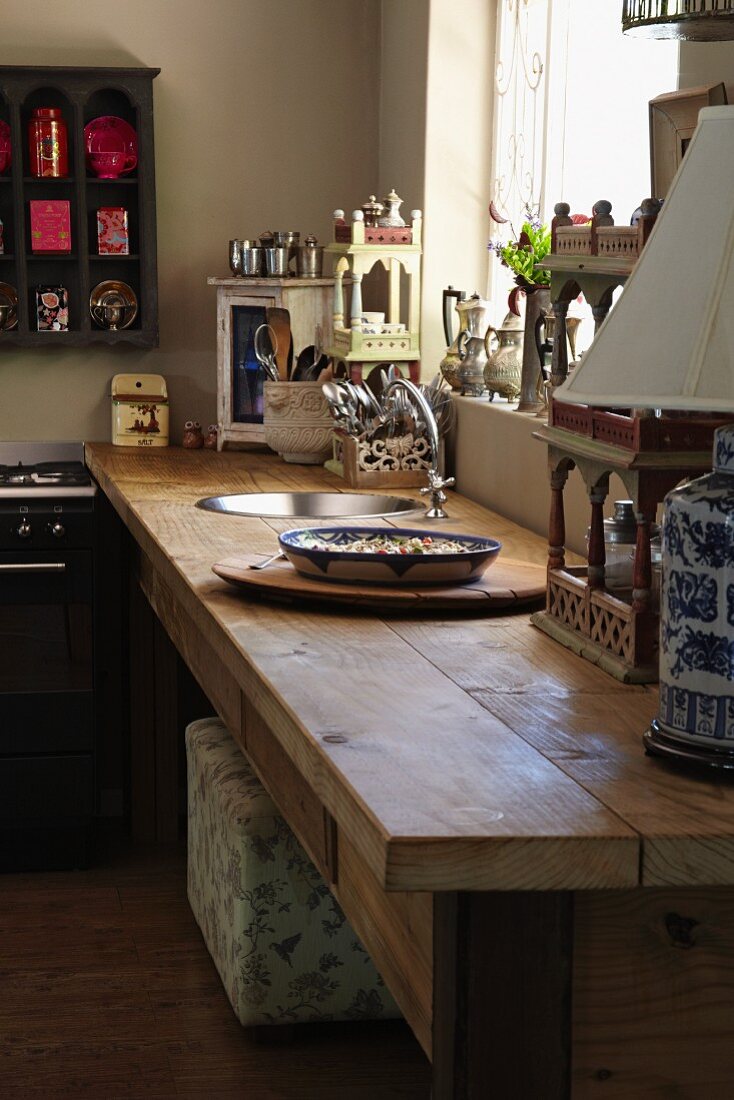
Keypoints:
(210, 439)
(192, 437)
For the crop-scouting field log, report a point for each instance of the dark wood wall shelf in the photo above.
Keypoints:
(82, 94)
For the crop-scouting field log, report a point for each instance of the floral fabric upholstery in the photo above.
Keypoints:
(281, 944)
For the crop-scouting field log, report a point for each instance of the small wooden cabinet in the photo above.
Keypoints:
(241, 305)
(82, 94)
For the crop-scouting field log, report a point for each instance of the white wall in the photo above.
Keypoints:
(266, 116)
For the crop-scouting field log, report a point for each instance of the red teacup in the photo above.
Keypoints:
(107, 165)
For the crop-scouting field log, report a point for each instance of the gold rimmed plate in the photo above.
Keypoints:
(113, 305)
(9, 297)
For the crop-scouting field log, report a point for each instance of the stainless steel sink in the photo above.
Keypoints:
(311, 505)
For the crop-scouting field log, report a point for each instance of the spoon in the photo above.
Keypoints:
(268, 561)
(266, 344)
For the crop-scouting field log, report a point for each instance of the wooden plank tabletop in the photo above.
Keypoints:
(473, 753)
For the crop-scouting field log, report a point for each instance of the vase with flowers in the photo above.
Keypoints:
(521, 256)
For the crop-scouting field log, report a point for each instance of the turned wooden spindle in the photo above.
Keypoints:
(338, 317)
(557, 521)
(642, 573)
(650, 209)
(561, 211)
(356, 317)
(559, 355)
(597, 552)
(601, 213)
(599, 313)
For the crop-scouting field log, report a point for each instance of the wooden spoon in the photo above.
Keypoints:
(280, 321)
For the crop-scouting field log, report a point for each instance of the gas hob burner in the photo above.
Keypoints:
(42, 475)
(31, 471)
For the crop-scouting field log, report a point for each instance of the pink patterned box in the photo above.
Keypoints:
(112, 235)
(50, 225)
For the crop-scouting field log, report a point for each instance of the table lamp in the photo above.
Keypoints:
(669, 344)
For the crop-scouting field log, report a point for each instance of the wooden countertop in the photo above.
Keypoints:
(473, 753)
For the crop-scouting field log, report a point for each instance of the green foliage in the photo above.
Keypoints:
(521, 256)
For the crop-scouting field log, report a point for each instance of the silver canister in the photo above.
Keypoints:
(235, 256)
(252, 259)
(289, 240)
(276, 261)
(310, 259)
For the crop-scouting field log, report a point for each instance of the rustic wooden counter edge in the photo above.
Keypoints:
(452, 898)
(414, 836)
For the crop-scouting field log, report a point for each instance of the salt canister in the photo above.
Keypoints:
(139, 410)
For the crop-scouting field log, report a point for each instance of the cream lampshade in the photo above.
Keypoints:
(669, 344)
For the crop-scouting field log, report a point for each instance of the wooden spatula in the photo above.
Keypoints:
(280, 322)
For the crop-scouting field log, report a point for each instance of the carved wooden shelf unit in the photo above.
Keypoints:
(650, 455)
(356, 249)
(593, 260)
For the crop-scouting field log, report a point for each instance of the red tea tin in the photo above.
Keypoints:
(47, 143)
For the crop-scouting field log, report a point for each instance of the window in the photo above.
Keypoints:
(571, 110)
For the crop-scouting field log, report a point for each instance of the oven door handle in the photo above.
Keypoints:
(33, 567)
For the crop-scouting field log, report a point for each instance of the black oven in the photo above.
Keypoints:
(47, 678)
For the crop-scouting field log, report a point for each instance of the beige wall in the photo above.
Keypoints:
(435, 141)
(707, 63)
(266, 116)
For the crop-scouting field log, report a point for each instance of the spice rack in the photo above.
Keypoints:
(82, 94)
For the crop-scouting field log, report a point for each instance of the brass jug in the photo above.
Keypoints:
(450, 365)
(504, 365)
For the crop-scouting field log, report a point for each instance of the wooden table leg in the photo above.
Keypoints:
(163, 700)
(142, 715)
(502, 995)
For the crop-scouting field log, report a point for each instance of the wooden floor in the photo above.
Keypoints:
(107, 990)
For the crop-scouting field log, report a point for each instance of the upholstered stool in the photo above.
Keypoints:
(280, 942)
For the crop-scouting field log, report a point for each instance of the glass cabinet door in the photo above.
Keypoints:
(247, 376)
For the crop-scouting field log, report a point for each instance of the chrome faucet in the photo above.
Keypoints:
(436, 483)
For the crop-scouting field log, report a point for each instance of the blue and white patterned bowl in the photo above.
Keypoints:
(457, 567)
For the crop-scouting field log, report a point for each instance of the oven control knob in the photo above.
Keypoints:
(24, 531)
(57, 530)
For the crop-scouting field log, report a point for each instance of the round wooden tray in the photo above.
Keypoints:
(505, 584)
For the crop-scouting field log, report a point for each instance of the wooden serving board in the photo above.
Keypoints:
(505, 584)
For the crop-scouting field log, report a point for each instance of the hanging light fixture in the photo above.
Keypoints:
(693, 20)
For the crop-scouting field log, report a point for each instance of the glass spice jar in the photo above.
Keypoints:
(620, 537)
(47, 143)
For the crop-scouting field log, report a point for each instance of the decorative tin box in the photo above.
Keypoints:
(52, 309)
(139, 410)
(50, 225)
(112, 233)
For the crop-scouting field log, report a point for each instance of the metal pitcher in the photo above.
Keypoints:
(474, 316)
(503, 371)
(451, 362)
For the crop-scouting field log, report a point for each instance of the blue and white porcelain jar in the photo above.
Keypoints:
(697, 607)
